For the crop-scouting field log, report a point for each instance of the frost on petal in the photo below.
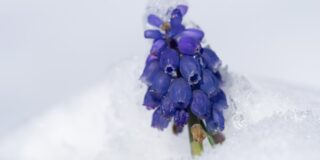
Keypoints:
(150, 101)
(158, 46)
(183, 9)
(169, 61)
(216, 122)
(181, 117)
(151, 69)
(200, 105)
(188, 46)
(159, 120)
(152, 34)
(176, 18)
(209, 84)
(154, 20)
(180, 92)
(192, 33)
(168, 107)
(211, 59)
(190, 69)
(160, 84)
(219, 101)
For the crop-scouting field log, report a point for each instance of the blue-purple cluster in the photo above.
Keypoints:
(182, 76)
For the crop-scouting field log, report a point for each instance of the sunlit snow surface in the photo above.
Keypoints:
(266, 120)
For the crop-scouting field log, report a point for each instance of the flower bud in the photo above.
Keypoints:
(211, 59)
(181, 117)
(154, 20)
(152, 34)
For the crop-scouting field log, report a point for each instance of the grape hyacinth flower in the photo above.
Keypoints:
(184, 81)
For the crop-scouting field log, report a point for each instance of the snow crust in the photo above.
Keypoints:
(266, 120)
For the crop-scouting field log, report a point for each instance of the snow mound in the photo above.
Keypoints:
(266, 120)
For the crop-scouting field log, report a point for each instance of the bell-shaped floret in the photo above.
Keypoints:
(159, 120)
(193, 33)
(151, 69)
(200, 105)
(150, 101)
(219, 101)
(216, 122)
(168, 107)
(158, 46)
(189, 46)
(160, 84)
(180, 92)
(209, 84)
(190, 69)
(169, 61)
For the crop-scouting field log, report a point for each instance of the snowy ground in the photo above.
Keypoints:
(265, 121)
(70, 90)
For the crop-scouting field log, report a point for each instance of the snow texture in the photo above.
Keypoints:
(265, 120)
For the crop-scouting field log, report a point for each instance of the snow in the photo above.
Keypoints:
(265, 121)
(70, 90)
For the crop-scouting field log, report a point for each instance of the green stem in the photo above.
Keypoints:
(209, 136)
(196, 147)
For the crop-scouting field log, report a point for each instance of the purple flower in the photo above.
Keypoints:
(180, 92)
(168, 107)
(151, 58)
(176, 18)
(183, 9)
(183, 78)
(219, 101)
(216, 122)
(211, 59)
(181, 117)
(200, 105)
(209, 84)
(151, 69)
(169, 61)
(192, 33)
(150, 101)
(158, 46)
(189, 46)
(159, 120)
(190, 69)
(160, 84)
(152, 34)
(154, 20)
